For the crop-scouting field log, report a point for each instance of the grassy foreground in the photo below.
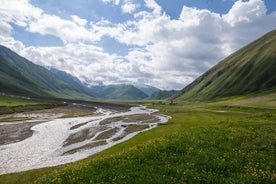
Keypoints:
(202, 143)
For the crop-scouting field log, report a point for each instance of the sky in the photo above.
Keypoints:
(162, 43)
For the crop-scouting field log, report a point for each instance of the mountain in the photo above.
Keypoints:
(127, 92)
(250, 69)
(122, 92)
(69, 79)
(162, 94)
(102, 91)
(22, 77)
(147, 89)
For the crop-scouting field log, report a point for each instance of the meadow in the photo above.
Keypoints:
(10, 105)
(202, 143)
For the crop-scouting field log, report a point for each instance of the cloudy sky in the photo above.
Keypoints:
(163, 43)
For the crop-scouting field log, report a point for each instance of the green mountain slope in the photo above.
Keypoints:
(251, 69)
(147, 89)
(22, 77)
(127, 92)
(121, 92)
(162, 94)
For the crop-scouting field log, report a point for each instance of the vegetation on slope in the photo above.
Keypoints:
(122, 92)
(250, 69)
(147, 89)
(9, 105)
(162, 94)
(127, 92)
(202, 143)
(22, 77)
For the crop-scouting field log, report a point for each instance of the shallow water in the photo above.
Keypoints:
(47, 147)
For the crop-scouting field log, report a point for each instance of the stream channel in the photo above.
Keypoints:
(66, 140)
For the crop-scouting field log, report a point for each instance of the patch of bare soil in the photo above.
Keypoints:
(145, 118)
(87, 146)
(135, 128)
(111, 120)
(12, 133)
(130, 129)
(83, 135)
(72, 110)
(78, 126)
(107, 134)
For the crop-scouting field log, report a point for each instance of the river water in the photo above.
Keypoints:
(46, 147)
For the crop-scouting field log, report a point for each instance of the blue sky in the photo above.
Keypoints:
(162, 43)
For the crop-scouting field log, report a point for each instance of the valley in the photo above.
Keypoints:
(216, 141)
(218, 129)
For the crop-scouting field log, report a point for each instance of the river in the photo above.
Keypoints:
(66, 140)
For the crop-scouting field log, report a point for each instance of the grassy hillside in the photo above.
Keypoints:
(162, 94)
(250, 69)
(22, 77)
(148, 90)
(122, 92)
(202, 143)
(127, 92)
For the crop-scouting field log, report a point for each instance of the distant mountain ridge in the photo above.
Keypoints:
(251, 69)
(123, 92)
(147, 89)
(162, 94)
(20, 76)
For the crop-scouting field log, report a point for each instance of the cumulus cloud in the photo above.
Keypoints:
(66, 30)
(245, 12)
(79, 21)
(163, 52)
(129, 6)
(10, 13)
(20, 12)
(154, 6)
(11, 43)
(116, 2)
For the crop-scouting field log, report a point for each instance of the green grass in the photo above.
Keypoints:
(201, 144)
(10, 105)
(12, 101)
(13, 119)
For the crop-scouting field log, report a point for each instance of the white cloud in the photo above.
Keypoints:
(129, 6)
(19, 12)
(245, 12)
(163, 52)
(116, 2)
(154, 6)
(79, 21)
(67, 31)
(23, 14)
(6, 28)
(11, 43)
